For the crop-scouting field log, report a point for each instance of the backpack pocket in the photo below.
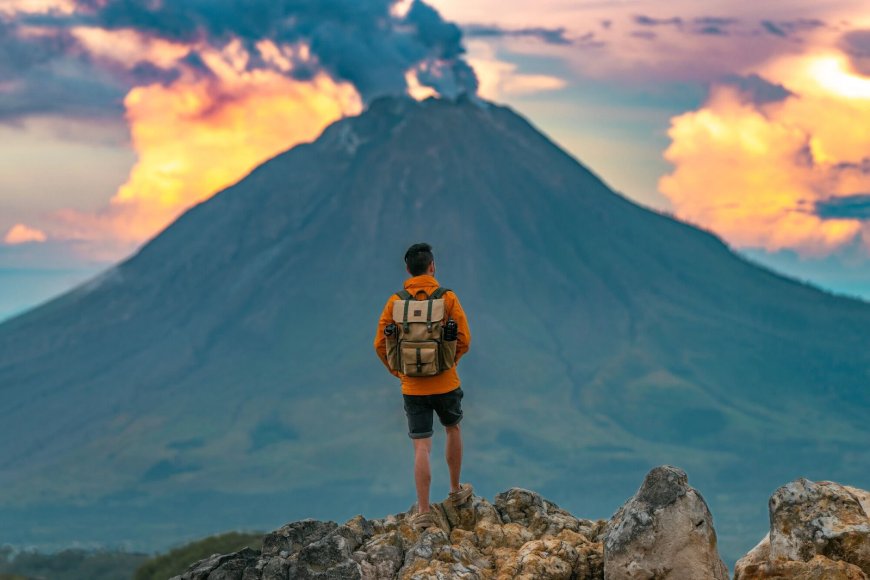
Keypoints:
(447, 354)
(419, 358)
(392, 344)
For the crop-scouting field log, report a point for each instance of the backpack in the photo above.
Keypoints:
(416, 347)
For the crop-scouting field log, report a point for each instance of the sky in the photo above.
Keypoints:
(748, 119)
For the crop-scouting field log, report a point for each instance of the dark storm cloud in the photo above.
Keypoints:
(19, 54)
(548, 35)
(41, 74)
(857, 45)
(358, 41)
(856, 206)
(756, 89)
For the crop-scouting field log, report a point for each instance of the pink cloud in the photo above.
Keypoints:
(23, 234)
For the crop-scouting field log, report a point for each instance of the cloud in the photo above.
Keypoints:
(212, 89)
(778, 168)
(49, 72)
(644, 20)
(756, 89)
(856, 206)
(500, 79)
(555, 36)
(366, 43)
(361, 42)
(788, 28)
(22, 234)
(714, 25)
(199, 135)
(856, 44)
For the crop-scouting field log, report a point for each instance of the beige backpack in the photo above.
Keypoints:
(416, 345)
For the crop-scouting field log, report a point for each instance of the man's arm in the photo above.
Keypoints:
(463, 338)
(380, 339)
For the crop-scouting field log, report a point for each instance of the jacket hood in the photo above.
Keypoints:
(424, 282)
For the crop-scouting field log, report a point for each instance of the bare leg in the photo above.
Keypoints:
(453, 450)
(422, 473)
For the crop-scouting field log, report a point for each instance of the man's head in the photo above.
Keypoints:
(419, 260)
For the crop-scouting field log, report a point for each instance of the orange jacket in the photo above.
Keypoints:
(449, 379)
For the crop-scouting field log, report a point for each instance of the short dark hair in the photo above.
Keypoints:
(418, 257)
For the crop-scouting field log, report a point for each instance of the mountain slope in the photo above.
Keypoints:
(205, 372)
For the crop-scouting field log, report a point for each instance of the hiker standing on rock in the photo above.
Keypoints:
(421, 336)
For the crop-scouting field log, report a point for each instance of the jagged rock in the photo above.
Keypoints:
(522, 536)
(540, 516)
(381, 557)
(817, 530)
(294, 536)
(329, 558)
(665, 531)
(222, 567)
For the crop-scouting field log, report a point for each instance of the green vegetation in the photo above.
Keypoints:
(177, 561)
(74, 564)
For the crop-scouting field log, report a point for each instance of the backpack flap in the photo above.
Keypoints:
(418, 317)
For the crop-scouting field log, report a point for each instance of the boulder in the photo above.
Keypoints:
(817, 530)
(665, 531)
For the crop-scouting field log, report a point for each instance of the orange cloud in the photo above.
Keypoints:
(22, 234)
(754, 173)
(199, 135)
(37, 6)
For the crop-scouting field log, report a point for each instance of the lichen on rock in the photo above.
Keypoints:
(817, 530)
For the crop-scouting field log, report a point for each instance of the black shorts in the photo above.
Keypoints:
(418, 409)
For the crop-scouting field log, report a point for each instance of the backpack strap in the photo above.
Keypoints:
(441, 291)
(406, 296)
(434, 296)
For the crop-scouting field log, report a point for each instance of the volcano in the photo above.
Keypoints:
(224, 377)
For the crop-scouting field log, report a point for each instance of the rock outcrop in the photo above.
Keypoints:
(664, 532)
(817, 530)
(520, 535)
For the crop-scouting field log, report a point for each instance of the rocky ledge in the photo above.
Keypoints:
(664, 532)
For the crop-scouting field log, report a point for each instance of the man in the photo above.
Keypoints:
(440, 393)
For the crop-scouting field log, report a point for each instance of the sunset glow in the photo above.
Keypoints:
(755, 172)
(198, 135)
